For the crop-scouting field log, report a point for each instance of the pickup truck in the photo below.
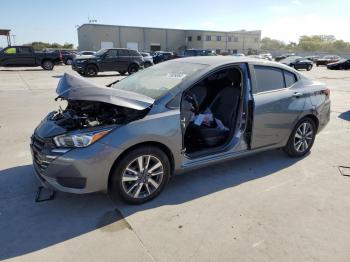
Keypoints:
(26, 56)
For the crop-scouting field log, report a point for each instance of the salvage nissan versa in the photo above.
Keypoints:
(131, 137)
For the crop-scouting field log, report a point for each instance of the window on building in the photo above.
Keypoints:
(229, 38)
(189, 38)
(235, 39)
(208, 38)
(199, 37)
(268, 78)
(10, 51)
(218, 38)
(290, 78)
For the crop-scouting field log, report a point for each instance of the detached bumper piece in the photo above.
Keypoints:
(50, 194)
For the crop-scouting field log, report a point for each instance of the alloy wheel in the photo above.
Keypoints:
(142, 176)
(303, 137)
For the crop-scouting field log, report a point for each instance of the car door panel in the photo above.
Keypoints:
(122, 60)
(108, 63)
(275, 110)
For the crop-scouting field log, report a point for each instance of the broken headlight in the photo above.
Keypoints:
(80, 139)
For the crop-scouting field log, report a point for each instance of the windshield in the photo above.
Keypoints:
(101, 52)
(157, 80)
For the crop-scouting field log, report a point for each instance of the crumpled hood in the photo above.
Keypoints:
(77, 88)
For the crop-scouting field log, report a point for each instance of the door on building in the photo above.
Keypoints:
(132, 45)
(106, 45)
(154, 47)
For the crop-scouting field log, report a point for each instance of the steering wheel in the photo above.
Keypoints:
(192, 99)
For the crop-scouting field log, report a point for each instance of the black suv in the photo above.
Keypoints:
(115, 59)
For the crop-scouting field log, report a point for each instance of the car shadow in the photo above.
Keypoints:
(345, 115)
(27, 226)
(22, 70)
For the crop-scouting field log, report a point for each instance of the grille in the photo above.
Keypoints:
(40, 148)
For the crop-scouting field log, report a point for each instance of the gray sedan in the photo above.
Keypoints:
(129, 138)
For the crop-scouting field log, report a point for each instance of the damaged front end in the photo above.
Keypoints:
(91, 112)
(91, 107)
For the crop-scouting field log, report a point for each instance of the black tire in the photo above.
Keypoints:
(91, 71)
(122, 72)
(309, 67)
(47, 65)
(147, 64)
(293, 147)
(68, 61)
(121, 186)
(133, 69)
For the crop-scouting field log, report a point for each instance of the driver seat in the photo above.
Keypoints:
(223, 107)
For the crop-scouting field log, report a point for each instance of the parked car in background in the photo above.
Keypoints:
(199, 52)
(147, 58)
(161, 56)
(121, 60)
(327, 60)
(267, 56)
(130, 138)
(342, 64)
(26, 56)
(86, 53)
(312, 58)
(297, 62)
(67, 56)
(284, 56)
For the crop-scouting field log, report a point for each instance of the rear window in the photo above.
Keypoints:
(290, 78)
(122, 52)
(24, 50)
(268, 78)
(134, 53)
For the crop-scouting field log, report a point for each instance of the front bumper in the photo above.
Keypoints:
(80, 170)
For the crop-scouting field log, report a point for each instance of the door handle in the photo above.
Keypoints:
(297, 94)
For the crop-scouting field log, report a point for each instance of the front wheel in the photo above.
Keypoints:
(47, 65)
(309, 67)
(302, 138)
(91, 71)
(140, 175)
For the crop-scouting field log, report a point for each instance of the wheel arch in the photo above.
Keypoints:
(92, 64)
(161, 146)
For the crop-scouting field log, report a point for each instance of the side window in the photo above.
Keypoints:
(10, 51)
(111, 53)
(122, 52)
(24, 50)
(134, 53)
(268, 78)
(290, 78)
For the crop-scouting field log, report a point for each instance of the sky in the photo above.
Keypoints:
(286, 20)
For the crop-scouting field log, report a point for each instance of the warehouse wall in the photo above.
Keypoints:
(91, 36)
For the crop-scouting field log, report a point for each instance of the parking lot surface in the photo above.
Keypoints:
(266, 207)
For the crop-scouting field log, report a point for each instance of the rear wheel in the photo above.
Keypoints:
(91, 71)
(140, 175)
(47, 65)
(133, 69)
(68, 61)
(302, 138)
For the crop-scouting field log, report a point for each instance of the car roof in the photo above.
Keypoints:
(223, 60)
